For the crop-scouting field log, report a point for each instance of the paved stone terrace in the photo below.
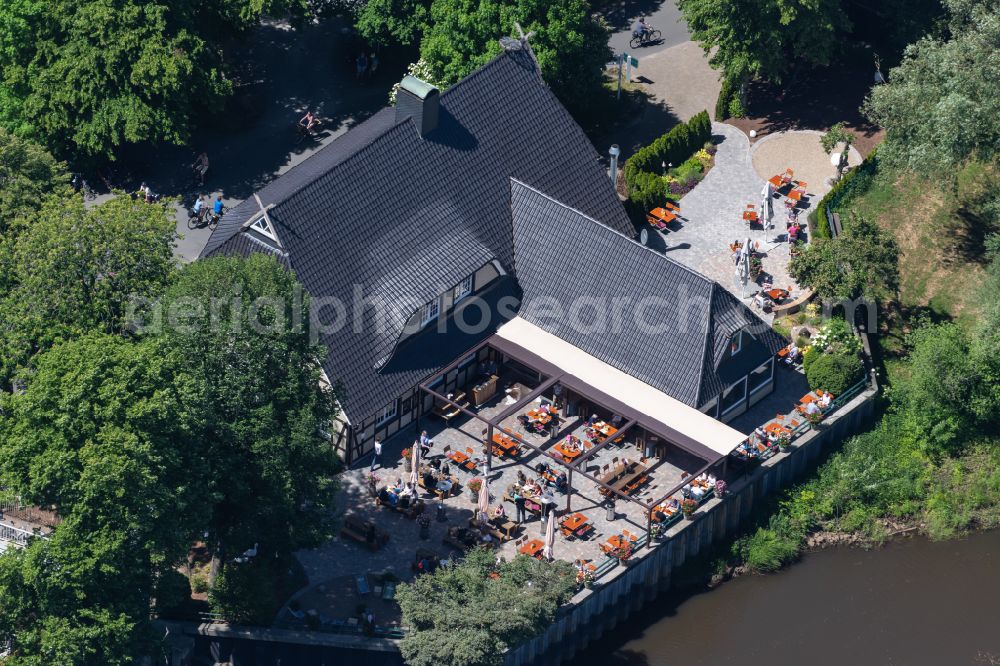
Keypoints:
(343, 558)
(712, 217)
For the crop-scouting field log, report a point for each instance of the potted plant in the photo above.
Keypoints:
(657, 532)
(474, 487)
(587, 578)
(721, 489)
(783, 442)
(814, 419)
(407, 460)
(688, 507)
(623, 553)
(755, 267)
(425, 527)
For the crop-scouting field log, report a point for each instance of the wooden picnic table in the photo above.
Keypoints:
(533, 548)
(539, 415)
(462, 460)
(574, 523)
(505, 446)
(660, 217)
(777, 429)
(569, 454)
(622, 476)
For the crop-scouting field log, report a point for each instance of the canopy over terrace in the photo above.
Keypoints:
(559, 362)
(685, 426)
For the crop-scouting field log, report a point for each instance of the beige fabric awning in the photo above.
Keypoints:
(656, 405)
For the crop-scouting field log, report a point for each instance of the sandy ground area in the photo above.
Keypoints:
(801, 152)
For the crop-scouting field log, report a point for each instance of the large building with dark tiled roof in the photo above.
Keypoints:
(419, 232)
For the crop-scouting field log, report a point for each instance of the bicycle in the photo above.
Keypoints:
(303, 131)
(651, 36)
(206, 218)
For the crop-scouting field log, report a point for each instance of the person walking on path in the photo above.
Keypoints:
(377, 458)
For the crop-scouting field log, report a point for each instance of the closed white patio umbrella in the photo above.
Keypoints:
(550, 535)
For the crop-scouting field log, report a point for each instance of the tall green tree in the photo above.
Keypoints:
(569, 43)
(86, 76)
(392, 21)
(939, 107)
(468, 614)
(749, 38)
(28, 176)
(863, 261)
(107, 434)
(241, 326)
(78, 269)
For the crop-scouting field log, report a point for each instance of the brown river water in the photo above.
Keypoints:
(913, 602)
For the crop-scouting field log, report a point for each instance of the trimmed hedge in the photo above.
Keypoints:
(854, 183)
(646, 185)
(834, 371)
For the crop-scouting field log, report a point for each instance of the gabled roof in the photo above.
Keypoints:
(404, 217)
(625, 304)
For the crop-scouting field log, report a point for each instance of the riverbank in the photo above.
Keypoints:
(840, 605)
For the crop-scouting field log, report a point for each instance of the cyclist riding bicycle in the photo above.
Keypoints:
(218, 206)
(199, 208)
(641, 29)
(308, 121)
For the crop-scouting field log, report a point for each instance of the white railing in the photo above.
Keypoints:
(14, 535)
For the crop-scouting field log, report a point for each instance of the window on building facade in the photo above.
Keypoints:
(463, 289)
(736, 343)
(387, 412)
(760, 377)
(430, 312)
(263, 227)
(733, 396)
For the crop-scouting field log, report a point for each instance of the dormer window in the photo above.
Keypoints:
(463, 289)
(736, 343)
(263, 227)
(430, 312)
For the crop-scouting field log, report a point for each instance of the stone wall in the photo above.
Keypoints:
(626, 590)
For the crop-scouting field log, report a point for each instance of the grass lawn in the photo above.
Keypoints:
(937, 276)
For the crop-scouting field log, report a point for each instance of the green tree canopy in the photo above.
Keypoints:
(77, 269)
(240, 326)
(468, 614)
(28, 176)
(85, 76)
(458, 36)
(939, 107)
(764, 39)
(106, 433)
(388, 21)
(863, 261)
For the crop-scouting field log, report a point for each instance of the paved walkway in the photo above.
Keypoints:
(712, 218)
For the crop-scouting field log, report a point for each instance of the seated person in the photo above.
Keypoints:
(521, 478)
(445, 469)
(812, 408)
(825, 400)
(696, 492)
(793, 354)
(658, 515)
(561, 482)
(616, 420)
(541, 468)
(430, 481)
(444, 486)
(498, 512)
(383, 496)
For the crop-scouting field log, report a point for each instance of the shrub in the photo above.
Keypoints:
(853, 184)
(643, 171)
(736, 109)
(729, 88)
(835, 372)
(199, 583)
